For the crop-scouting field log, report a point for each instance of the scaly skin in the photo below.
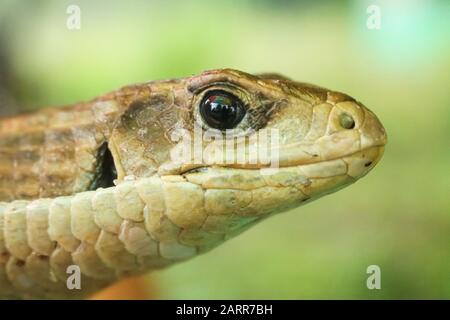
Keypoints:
(163, 210)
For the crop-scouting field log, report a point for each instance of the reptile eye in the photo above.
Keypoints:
(221, 110)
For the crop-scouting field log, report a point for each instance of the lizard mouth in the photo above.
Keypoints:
(361, 162)
(290, 185)
(355, 165)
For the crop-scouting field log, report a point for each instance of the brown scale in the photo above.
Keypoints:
(39, 153)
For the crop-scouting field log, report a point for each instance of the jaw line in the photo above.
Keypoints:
(203, 168)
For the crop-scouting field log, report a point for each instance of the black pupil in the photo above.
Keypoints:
(221, 110)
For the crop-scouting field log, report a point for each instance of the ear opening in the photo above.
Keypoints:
(107, 172)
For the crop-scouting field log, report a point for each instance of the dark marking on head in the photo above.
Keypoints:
(20, 263)
(43, 258)
(142, 138)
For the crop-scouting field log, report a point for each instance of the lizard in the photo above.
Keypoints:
(156, 173)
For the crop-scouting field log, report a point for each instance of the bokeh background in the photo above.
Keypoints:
(398, 217)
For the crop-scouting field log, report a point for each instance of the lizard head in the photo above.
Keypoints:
(253, 144)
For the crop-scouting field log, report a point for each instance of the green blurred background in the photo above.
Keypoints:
(398, 217)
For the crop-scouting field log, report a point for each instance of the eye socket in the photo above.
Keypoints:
(221, 110)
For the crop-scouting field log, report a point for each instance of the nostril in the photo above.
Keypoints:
(346, 121)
